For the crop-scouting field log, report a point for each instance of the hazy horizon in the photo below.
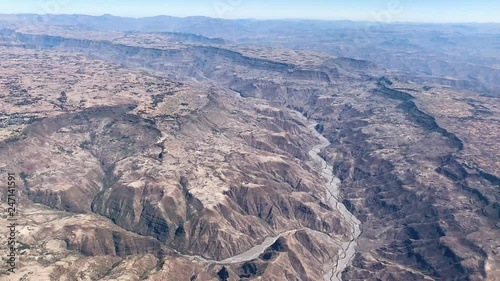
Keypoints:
(256, 19)
(403, 11)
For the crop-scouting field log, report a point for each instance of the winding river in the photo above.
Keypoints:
(347, 251)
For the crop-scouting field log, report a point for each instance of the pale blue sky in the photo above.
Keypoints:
(370, 10)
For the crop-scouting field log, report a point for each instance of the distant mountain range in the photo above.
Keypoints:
(467, 52)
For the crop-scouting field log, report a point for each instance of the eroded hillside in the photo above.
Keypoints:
(162, 172)
(133, 164)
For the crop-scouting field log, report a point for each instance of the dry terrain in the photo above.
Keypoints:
(152, 156)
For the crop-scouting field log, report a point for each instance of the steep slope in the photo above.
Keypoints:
(138, 166)
(425, 194)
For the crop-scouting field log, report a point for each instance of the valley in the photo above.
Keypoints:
(169, 156)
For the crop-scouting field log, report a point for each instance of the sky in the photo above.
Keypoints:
(356, 10)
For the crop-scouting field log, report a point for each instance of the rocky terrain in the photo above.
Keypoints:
(462, 56)
(149, 166)
(163, 156)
